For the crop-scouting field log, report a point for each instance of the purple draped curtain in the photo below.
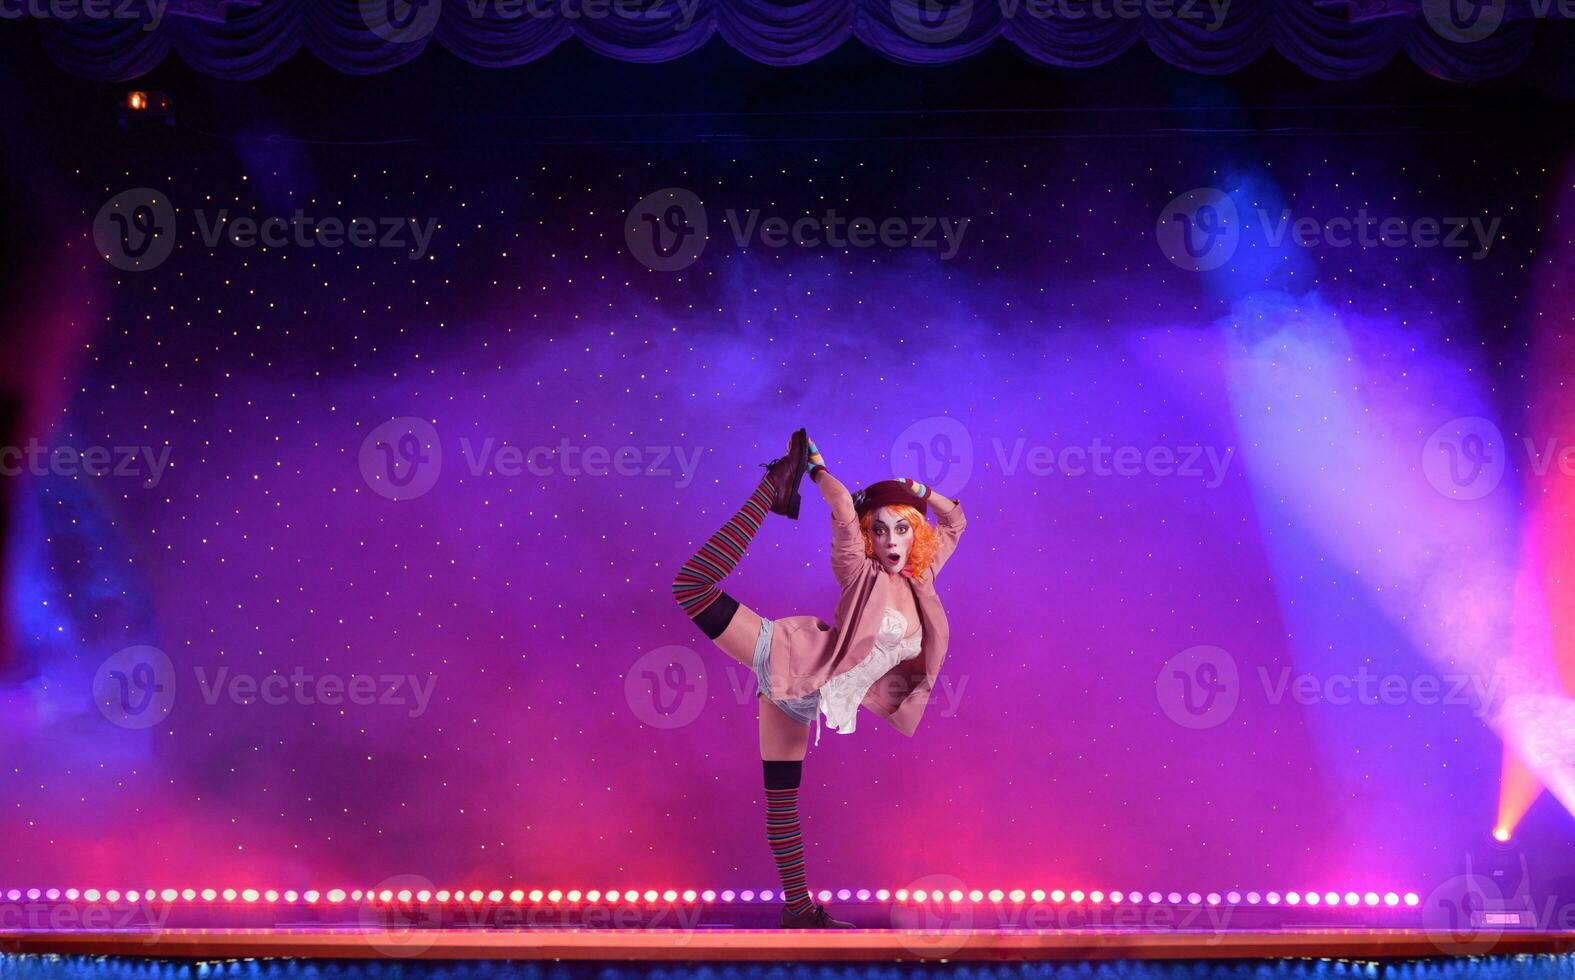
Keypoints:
(363, 36)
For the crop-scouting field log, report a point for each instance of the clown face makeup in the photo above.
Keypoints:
(892, 537)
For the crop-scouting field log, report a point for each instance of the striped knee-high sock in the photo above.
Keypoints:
(817, 463)
(696, 586)
(783, 834)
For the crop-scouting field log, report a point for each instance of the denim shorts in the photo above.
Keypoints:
(801, 709)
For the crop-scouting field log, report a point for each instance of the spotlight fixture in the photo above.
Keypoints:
(142, 107)
(1498, 889)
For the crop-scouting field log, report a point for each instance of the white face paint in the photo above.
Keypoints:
(893, 539)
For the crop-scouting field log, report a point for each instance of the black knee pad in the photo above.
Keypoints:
(783, 774)
(715, 617)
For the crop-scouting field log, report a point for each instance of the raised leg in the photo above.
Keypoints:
(738, 639)
(697, 586)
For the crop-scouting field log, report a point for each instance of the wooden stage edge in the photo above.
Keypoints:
(776, 944)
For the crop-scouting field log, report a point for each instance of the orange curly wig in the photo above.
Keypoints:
(922, 555)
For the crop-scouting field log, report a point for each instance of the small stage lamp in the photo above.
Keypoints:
(143, 107)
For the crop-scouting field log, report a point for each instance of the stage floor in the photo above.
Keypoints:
(735, 944)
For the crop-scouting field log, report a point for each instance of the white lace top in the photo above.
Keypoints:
(840, 696)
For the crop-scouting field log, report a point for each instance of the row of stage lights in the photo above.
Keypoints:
(335, 896)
